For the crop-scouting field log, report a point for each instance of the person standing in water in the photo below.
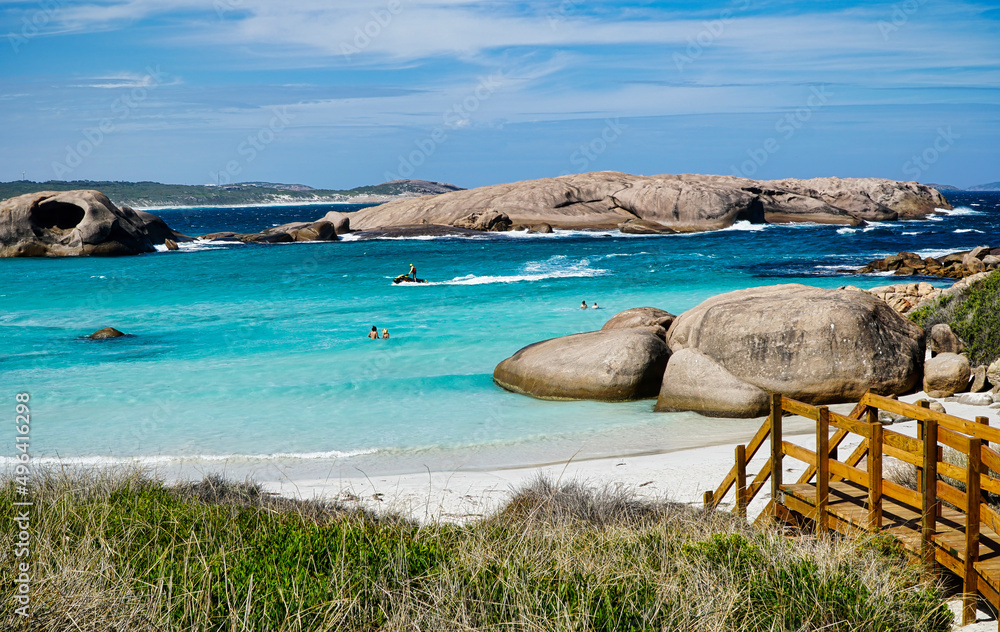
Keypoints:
(385, 333)
(373, 334)
(583, 305)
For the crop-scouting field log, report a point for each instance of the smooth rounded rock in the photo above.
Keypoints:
(341, 221)
(816, 345)
(947, 373)
(695, 382)
(106, 333)
(993, 373)
(941, 339)
(978, 384)
(975, 399)
(641, 317)
(615, 365)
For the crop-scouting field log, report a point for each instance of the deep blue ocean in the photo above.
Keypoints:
(259, 352)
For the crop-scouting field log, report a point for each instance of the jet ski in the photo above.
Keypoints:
(405, 278)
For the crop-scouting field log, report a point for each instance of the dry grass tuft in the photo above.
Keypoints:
(120, 551)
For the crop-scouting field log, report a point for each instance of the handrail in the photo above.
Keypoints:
(937, 430)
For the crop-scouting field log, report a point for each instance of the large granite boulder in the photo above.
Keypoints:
(652, 318)
(694, 381)
(69, 224)
(341, 221)
(946, 374)
(156, 229)
(612, 365)
(816, 345)
(662, 203)
(941, 339)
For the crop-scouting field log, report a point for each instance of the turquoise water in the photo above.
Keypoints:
(258, 352)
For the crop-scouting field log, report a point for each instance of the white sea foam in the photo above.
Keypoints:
(966, 230)
(744, 225)
(164, 459)
(961, 210)
(936, 252)
(557, 267)
(623, 254)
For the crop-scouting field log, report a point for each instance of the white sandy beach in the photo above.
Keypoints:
(681, 476)
(459, 495)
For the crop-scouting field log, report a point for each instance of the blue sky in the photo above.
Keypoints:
(342, 94)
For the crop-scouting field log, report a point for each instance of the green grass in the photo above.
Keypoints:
(124, 552)
(972, 315)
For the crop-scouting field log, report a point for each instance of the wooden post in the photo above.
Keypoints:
(776, 461)
(871, 415)
(875, 479)
(822, 470)
(970, 584)
(986, 422)
(741, 481)
(929, 502)
(708, 499)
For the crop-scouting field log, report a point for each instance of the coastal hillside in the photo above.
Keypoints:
(660, 204)
(154, 194)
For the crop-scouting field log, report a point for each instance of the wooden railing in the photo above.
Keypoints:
(938, 481)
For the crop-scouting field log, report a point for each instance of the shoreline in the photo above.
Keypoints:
(463, 494)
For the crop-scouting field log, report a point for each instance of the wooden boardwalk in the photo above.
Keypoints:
(943, 522)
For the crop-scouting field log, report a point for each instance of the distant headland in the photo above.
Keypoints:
(154, 194)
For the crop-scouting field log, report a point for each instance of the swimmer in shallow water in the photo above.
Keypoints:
(373, 334)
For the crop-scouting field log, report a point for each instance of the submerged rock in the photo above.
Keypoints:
(107, 332)
(613, 365)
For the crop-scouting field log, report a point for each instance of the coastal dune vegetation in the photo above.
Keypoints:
(118, 550)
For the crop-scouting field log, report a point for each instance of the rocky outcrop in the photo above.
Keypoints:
(663, 203)
(872, 199)
(906, 297)
(156, 229)
(488, 220)
(341, 221)
(946, 374)
(815, 345)
(644, 227)
(611, 365)
(694, 381)
(957, 265)
(69, 224)
(652, 318)
(321, 230)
